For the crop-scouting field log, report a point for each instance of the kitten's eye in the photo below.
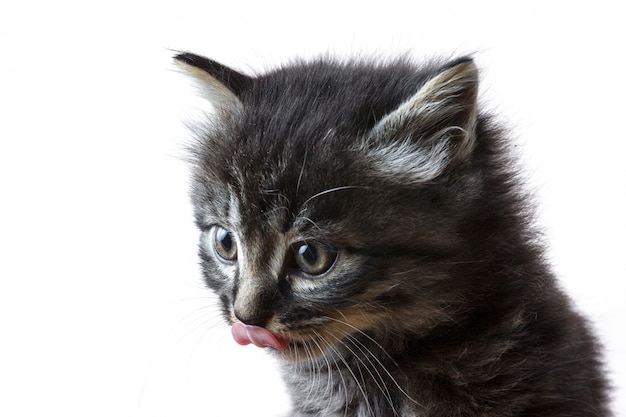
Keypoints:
(224, 244)
(313, 258)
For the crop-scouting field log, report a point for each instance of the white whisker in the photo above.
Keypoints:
(332, 190)
(356, 329)
(306, 153)
(378, 360)
(367, 353)
(383, 388)
(328, 366)
(359, 382)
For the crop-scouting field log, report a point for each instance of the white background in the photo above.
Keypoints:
(102, 310)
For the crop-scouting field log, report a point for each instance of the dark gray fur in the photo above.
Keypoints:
(449, 304)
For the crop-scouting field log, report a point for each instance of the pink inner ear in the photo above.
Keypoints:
(258, 336)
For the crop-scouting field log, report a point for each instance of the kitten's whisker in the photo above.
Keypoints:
(317, 370)
(306, 153)
(205, 324)
(205, 334)
(314, 370)
(314, 224)
(383, 350)
(366, 353)
(384, 368)
(478, 261)
(343, 381)
(328, 366)
(360, 382)
(202, 315)
(354, 378)
(275, 209)
(375, 306)
(356, 329)
(275, 191)
(332, 190)
(376, 378)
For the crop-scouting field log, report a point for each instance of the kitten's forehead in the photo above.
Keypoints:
(332, 146)
(274, 174)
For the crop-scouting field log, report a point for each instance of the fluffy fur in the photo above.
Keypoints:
(438, 302)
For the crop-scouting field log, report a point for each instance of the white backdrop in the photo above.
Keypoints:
(102, 310)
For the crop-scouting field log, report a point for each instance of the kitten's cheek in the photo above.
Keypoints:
(260, 337)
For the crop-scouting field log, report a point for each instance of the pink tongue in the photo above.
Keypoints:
(244, 335)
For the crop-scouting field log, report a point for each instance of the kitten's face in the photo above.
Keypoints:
(318, 230)
(314, 265)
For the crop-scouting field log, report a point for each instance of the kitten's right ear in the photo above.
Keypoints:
(218, 83)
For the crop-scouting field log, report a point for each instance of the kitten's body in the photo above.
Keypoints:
(366, 222)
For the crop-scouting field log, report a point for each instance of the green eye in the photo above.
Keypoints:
(313, 258)
(224, 244)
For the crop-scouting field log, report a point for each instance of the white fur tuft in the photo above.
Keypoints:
(405, 162)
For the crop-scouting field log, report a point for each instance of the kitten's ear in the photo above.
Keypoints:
(218, 83)
(432, 129)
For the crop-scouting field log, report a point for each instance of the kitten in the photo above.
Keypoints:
(365, 222)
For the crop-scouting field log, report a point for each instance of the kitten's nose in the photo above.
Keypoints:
(253, 309)
(253, 302)
(254, 316)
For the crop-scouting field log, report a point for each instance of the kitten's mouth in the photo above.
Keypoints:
(290, 349)
(245, 334)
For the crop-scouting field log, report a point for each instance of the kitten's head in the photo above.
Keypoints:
(329, 197)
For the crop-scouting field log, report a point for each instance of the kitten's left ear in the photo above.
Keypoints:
(218, 83)
(431, 130)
